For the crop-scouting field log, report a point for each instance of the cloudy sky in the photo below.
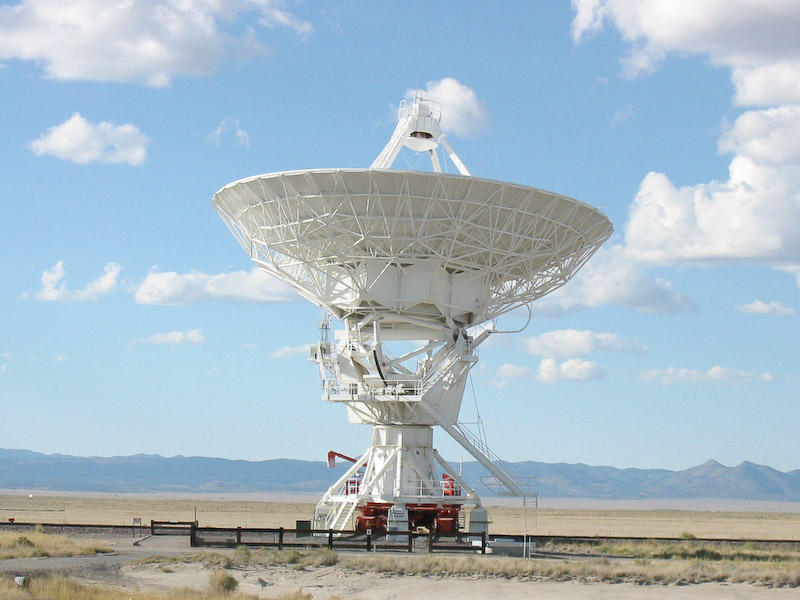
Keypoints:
(132, 322)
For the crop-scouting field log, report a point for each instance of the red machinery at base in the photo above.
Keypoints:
(374, 516)
(443, 519)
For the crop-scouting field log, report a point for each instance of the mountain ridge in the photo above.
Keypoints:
(26, 469)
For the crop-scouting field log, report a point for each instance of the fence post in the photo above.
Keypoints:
(193, 535)
(483, 542)
(280, 538)
(330, 539)
(238, 535)
(430, 542)
(410, 541)
(152, 527)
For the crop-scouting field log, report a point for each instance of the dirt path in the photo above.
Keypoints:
(327, 582)
(121, 569)
(100, 568)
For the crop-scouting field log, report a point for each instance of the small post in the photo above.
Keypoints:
(369, 540)
(193, 535)
(152, 527)
(430, 542)
(483, 542)
(330, 539)
(410, 541)
(280, 538)
(238, 536)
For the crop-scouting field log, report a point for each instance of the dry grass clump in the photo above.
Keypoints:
(687, 550)
(222, 583)
(19, 544)
(61, 588)
(244, 557)
(640, 571)
(300, 558)
(206, 558)
(644, 563)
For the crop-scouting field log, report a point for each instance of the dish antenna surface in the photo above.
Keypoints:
(414, 260)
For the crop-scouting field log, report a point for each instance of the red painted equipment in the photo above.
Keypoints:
(374, 516)
(332, 458)
(449, 485)
(432, 517)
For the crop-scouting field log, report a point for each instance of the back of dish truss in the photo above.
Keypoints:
(428, 246)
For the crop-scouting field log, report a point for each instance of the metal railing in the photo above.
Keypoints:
(389, 541)
(435, 489)
(405, 389)
(421, 488)
(498, 463)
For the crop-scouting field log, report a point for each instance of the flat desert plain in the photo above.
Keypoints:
(710, 519)
(704, 519)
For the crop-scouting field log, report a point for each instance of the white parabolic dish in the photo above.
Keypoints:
(433, 249)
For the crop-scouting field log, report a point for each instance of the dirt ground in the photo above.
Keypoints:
(327, 582)
(711, 519)
(718, 520)
(122, 569)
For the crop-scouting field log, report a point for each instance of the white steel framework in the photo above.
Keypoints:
(404, 256)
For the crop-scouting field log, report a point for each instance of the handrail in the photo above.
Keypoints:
(485, 450)
(403, 388)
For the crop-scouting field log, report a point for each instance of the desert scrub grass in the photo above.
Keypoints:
(205, 558)
(299, 559)
(689, 550)
(61, 588)
(27, 544)
(221, 582)
(243, 557)
(639, 571)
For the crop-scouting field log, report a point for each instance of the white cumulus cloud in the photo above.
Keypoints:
(143, 41)
(757, 307)
(462, 112)
(508, 372)
(54, 285)
(273, 16)
(177, 338)
(756, 39)
(81, 141)
(716, 374)
(575, 369)
(230, 127)
(240, 286)
(571, 342)
(768, 137)
(613, 277)
(289, 351)
(753, 215)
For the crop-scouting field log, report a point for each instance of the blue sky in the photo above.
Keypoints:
(132, 322)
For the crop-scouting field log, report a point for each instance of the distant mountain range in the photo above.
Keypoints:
(26, 470)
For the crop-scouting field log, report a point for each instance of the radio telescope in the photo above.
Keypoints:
(412, 263)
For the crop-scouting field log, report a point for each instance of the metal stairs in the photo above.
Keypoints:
(343, 515)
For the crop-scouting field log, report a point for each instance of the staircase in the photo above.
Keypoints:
(340, 514)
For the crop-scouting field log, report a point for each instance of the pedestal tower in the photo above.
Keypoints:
(411, 263)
